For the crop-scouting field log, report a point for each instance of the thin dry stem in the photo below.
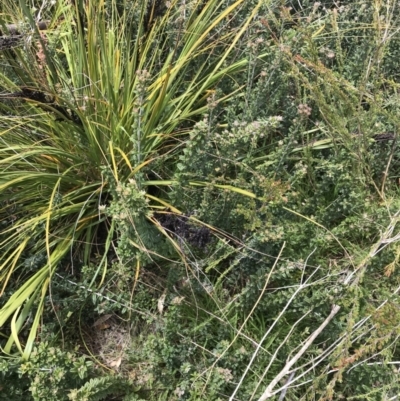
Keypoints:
(268, 393)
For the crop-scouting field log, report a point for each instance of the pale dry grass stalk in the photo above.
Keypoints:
(301, 286)
(268, 393)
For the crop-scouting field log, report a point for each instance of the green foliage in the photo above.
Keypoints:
(48, 375)
(219, 176)
(97, 389)
(52, 374)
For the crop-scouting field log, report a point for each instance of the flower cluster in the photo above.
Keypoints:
(304, 110)
(247, 133)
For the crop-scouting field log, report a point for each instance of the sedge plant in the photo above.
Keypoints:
(87, 106)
